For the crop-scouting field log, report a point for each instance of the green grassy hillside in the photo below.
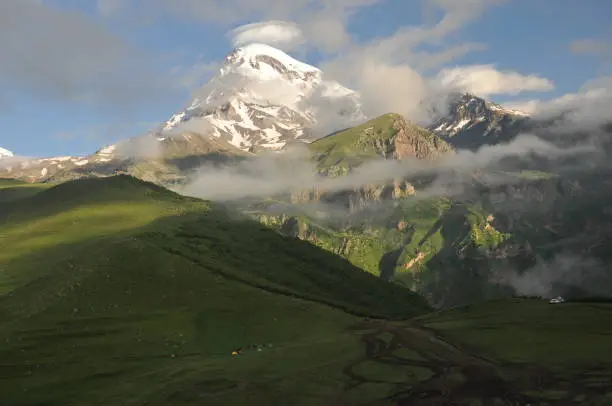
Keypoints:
(422, 244)
(116, 290)
(349, 148)
(531, 330)
(13, 189)
(387, 136)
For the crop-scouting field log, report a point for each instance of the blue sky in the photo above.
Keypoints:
(98, 71)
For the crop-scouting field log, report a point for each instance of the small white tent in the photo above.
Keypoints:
(557, 299)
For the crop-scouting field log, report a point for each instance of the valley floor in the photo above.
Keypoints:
(429, 360)
(409, 363)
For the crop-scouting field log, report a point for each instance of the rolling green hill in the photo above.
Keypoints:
(13, 189)
(113, 286)
(117, 291)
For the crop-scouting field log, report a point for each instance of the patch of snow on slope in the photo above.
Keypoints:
(5, 153)
(58, 159)
(246, 121)
(108, 150)
(461, 124)
(497, 107)
(174, 120)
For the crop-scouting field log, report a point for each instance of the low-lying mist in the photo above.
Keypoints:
(276, 173)
(566, 274)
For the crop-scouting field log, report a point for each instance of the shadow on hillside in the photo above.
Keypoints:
(389, 261)
(456, 274)
(333, 133)
(215, 159)
(242, 251)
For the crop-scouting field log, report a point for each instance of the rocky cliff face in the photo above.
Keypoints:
(413, 141)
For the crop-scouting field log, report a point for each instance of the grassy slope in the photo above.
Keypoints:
(529, 330)
(338, 153)
(97, 310)
(431, 226)
(13, 189)
(343, 149)
(506, 352)
(120, 291)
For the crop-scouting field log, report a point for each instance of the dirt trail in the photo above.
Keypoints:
(457, 377)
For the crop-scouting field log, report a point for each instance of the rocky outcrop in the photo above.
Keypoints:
(413, 141)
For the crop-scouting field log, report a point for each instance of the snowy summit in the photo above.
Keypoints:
(263, 98)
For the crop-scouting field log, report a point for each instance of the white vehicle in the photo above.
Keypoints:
(557, 299)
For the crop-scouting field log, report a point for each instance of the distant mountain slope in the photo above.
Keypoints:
(389, 136)
(37, 169)
(165, 160)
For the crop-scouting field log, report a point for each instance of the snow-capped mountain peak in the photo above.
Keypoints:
(472, 121)
(5, 153)
(266, 62)
(263, 98)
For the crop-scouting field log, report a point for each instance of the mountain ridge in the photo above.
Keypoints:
(472, 122)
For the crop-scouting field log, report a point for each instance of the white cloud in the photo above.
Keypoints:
(271, 174)
(526, 106)
(563, 272)
(390, 72)
(382, 90)
(327, 34)
(280, 34)
(322, 21)
(196, 75)
(50, 53)
(586, 109)
(485, 80)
